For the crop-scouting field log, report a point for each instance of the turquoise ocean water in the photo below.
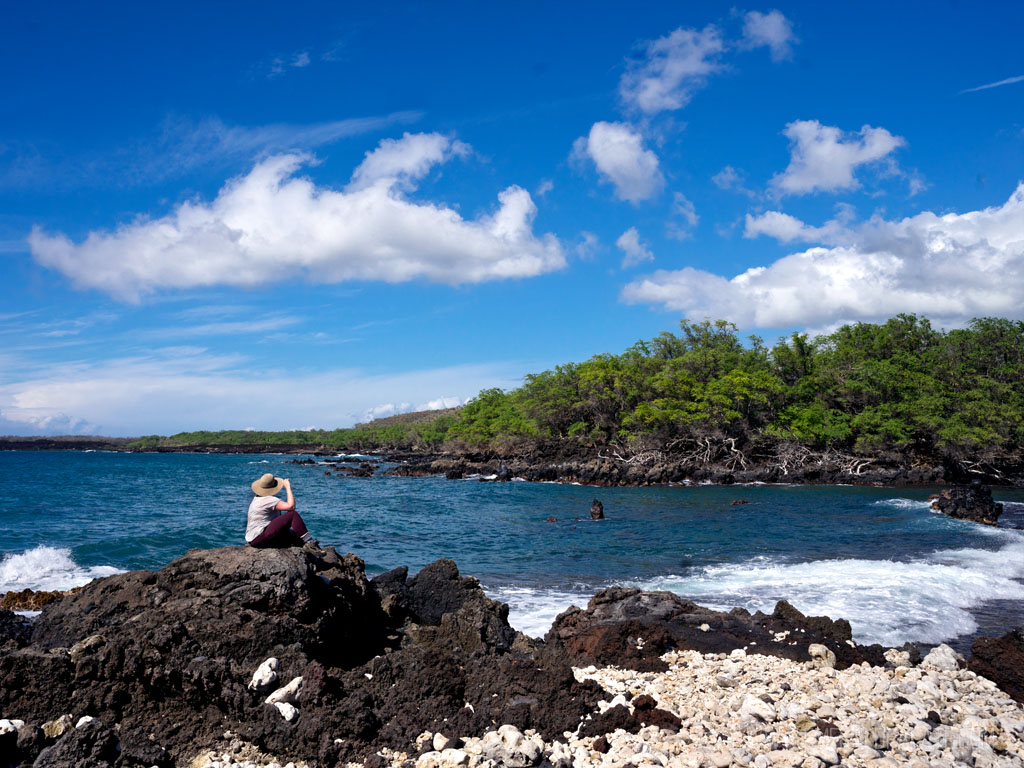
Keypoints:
(876, 556)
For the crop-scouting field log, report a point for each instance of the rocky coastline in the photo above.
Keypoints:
(552, 460)
(610, 472)
(232, 656)
(564, 463)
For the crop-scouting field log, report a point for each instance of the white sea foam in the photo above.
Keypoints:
(889, 602)
(261, 461)
(903, 503)
(532, 610)
(47, 568)
(927, 600)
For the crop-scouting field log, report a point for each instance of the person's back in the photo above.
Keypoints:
(272, 522)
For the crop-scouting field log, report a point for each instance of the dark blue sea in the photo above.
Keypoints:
(876, 556)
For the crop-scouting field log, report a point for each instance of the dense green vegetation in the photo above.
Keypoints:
(866, 388)
(361, 438)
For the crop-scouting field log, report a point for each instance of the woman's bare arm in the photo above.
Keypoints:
(289, 505)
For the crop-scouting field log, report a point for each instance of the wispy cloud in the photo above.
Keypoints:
(1007, 81)
(281, 64)
(25, 325)
(226, 328)
(770, 29)
(174, 389)
(14, 246)
(181, 147)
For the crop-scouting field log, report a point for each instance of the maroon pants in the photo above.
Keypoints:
(285, 530)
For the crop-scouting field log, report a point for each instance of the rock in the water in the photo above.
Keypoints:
(596, 510)
(1001, 660)
(968, 502)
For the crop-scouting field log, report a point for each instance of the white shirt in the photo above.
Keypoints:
(261, 512)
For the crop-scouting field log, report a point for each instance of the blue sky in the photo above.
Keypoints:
(237, 215)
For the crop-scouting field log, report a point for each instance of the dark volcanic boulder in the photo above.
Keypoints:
(94, 745)
(968, 502)
(15, 631)
(442, 608)
(171, 651)
(234, 602)
(1001, 660)
(632, 628)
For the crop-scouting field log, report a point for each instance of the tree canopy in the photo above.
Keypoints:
(900, 385)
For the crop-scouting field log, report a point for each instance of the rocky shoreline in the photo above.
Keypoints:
(172, 668)
(603, 472)
(569, 462)
(609, 469)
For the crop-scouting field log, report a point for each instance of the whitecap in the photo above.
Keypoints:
(926, 600)
(900, 503)
(531, 610)
(47, 568)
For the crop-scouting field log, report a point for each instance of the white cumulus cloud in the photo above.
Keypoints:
(384, 410)
(272, 225)
(949, 267)
(635, 251)
(786, 228)
(402, 162)
(770, 29)
(42, 421)
(823, 157)
(440, 403)
(671, 69)
(617, 150)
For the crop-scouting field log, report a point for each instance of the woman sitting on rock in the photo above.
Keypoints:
(272, 522)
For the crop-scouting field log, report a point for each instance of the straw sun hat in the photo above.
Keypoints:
(267, 485)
